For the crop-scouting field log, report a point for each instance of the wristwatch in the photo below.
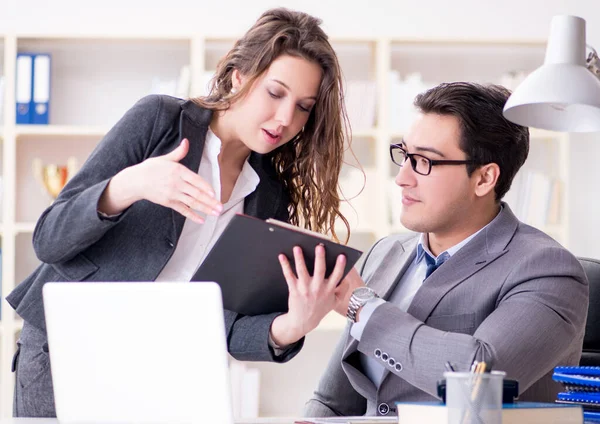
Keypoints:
(360, 296)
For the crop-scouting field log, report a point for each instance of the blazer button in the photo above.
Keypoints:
(398, 367)
(383, 408)
(377, 353)
(392, 362)
(385, 357)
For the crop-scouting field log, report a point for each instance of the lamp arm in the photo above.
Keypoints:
(593, 62)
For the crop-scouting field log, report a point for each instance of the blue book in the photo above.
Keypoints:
(580, 397)
(582, 387)
(24, 87)
(582, 384)
(587, 371)
(512, 413)
(591, 416)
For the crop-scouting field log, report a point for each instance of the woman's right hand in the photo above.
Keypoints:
(311, 296)
(164, 181)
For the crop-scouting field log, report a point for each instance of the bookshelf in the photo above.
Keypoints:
(95, 79)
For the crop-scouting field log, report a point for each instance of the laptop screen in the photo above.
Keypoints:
(138, 352)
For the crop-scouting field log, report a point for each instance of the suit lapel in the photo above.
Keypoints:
(265, 201)
(481, 251)
(193, 125)
(392, 266)
(458, 268)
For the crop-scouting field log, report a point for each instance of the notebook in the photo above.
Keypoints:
(581, 387)
(512, 413)
(138, 352)
(244, 262)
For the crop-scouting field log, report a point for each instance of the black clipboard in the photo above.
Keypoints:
(244, 262)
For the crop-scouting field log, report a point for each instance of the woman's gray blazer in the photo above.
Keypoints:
(76, 244)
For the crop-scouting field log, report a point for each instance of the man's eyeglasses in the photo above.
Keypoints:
(421, 164)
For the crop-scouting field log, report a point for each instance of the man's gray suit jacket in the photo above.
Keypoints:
(75, 244)
(512, 297)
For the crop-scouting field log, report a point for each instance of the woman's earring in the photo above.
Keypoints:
(233, 90)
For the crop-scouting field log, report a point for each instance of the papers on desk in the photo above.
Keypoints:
(351, 420)
(333, 420)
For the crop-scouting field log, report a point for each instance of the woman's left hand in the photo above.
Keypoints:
(311, 297)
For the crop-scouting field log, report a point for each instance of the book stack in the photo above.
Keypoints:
(512, 413)
(582, 387)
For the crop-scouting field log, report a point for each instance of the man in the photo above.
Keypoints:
(505, 293)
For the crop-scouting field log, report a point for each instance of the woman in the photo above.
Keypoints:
(161, 186)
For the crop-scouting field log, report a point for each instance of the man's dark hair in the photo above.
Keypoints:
(486, 136)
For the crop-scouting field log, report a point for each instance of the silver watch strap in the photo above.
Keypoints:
(353, 307)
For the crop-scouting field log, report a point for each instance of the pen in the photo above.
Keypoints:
(478, 370)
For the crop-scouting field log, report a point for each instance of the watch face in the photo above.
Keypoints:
(363, 293)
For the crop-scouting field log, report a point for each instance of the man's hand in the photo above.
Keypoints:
(345, 289)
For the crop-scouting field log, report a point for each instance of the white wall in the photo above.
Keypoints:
(433, 18)
(468, 19)
(512, 19)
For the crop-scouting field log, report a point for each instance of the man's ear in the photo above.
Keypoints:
(486, 178)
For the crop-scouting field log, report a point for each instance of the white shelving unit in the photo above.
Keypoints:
(95, 79)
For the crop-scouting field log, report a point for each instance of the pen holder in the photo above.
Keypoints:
(474, 398)
(510, 392)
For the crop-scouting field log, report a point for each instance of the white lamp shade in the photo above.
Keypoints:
(561, 95)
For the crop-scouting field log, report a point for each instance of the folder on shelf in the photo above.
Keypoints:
(244, 262)
(24, 87)
(41, 89)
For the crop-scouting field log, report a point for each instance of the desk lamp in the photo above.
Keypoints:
(564, 93)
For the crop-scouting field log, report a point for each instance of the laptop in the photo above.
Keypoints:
(138, 352)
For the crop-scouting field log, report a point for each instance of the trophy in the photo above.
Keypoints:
(54, 177)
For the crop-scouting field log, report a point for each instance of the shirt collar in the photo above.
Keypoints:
(247, 180)
(423, 245)
(212, 144)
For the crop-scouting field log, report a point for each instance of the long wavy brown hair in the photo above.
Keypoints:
(309, 165)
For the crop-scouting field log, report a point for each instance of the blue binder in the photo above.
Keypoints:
(582, 387)
(591, 416)
(41, 89)
(578, 378)
(24, 87)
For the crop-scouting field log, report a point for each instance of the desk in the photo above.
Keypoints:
(283, 420)
(266, 420)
